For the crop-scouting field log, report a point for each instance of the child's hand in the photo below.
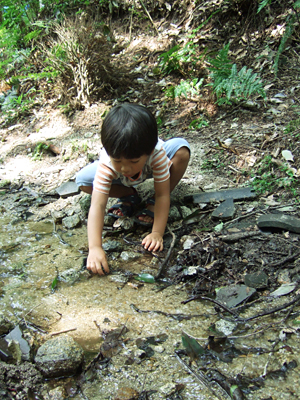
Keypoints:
(97, 262)
(153, 242)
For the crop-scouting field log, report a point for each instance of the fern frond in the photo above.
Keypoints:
(240, 85)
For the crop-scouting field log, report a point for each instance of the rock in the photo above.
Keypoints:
(71, 222)
(279, 221)
(174, 214)
(185, 211)
(85, 203)
(168, 389)
(126, 393)
(59, 393)
(129, 255)
(221, 195)
(225, 327)
(67, 189)
(284, 289)
(58, 216)
(257, 280)
(70, 275)
(112, 245)
(158, 349)
(225, 210)
(233, 295)
(59, 356)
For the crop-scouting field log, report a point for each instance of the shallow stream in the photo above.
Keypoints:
(33, 257)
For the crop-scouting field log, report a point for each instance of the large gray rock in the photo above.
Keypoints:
(59, 356)
(71, 222)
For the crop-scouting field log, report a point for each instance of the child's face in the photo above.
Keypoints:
(129, 167)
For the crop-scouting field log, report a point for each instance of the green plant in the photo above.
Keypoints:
(185, 88)
(214, 163)
(174, 59)
(263, 4)
(293, 127)
(198, 123)
(229, 84)
(39, 150)
(291, 21)
(270, 177)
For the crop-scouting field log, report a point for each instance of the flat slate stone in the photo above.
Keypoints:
(221, 195)
(279, 221)
(225, 210)
(257, 280)
(68, 189)
(233, 295)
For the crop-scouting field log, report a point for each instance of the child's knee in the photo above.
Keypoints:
(182, 155)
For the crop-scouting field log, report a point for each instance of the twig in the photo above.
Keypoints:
(131, 19)
(213, 301)
(274, 310)
(64, 331)
(291, 257)
(168, 254)
(201, 378)
(237, 236)
(149, 16)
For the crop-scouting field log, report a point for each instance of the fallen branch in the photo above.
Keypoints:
(167, 256)
(237, 236)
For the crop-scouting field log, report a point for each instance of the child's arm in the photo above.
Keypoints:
(97, 261)
(154, 241)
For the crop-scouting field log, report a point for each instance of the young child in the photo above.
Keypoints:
(132, 153)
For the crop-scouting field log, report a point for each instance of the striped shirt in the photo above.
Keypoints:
(157, 165)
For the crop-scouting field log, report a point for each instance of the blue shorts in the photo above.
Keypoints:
(85, 177)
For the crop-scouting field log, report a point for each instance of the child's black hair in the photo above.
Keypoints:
(129, 131)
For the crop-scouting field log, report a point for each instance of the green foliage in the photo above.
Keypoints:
(291, 21)
(39, 150)
(185, 88)
(212, 164)
(227, 80)
(220, 66)
(177, 58)
(293, 126)
(198, 123)
(174, 59)
(263, 4)
(270, 177)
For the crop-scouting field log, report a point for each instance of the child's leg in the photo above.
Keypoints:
(178, 151)
(85, 177)
(179, 166)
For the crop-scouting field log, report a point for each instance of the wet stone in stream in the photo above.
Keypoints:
(59, 356)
